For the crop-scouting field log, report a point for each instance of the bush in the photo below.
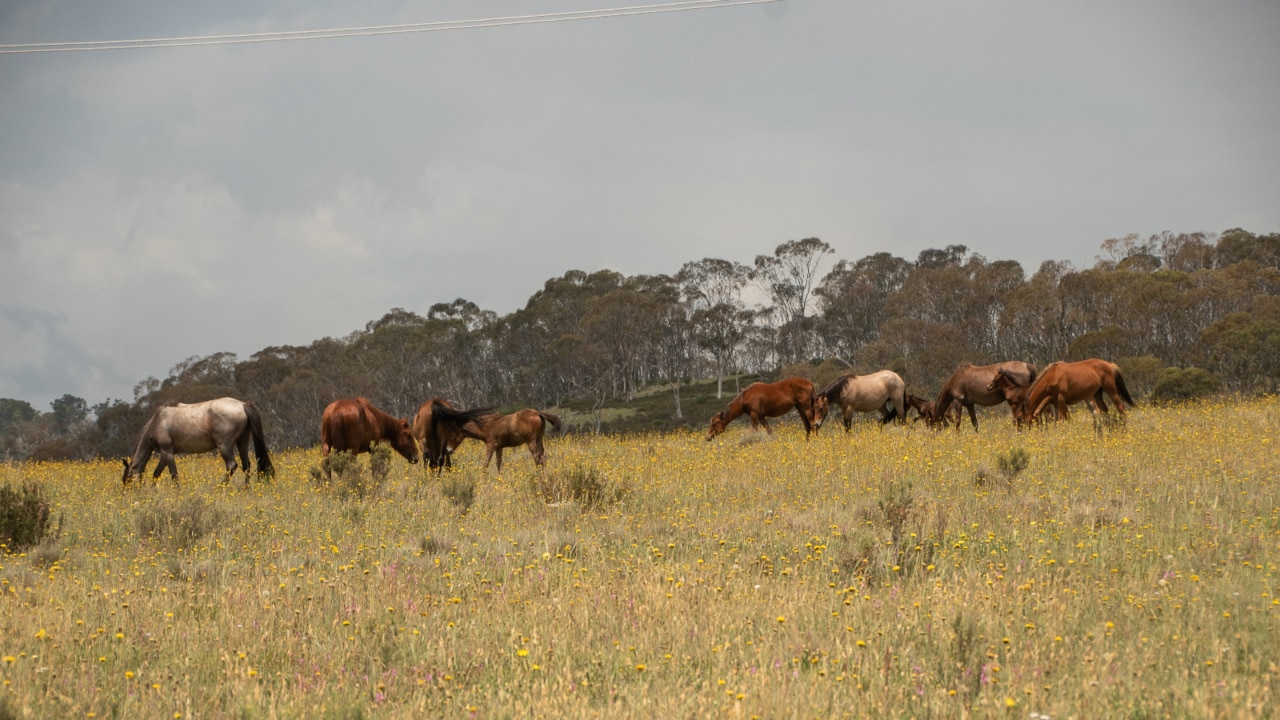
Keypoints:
(1179, 384)
(1013, 463)
(350, 480)
(24, 517)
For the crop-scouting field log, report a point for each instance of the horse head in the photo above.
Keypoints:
(821, 406)
(129, 473)
(404, 441)
(717, 425)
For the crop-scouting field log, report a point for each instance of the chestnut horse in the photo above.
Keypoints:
(438, 441)
(1067, 383)
(761, 401)
(969, 386)
(496, 430)
(924, 409)
(225, 424)
(882, 391)
(354, 424)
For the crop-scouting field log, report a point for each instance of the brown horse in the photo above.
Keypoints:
(225, 424)
(354, 424)
(882, 391)
(924, 409)
(761, 401)
(438, 440)
(496, 430)
(1067, 383)
(969, 386)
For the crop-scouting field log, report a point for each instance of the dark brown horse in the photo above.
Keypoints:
(882, 391)
(1068, 383)
(924, 409)
(761, 401)
(439, 440)
(225, 424)
(496, 430)
(354, 425)
(970, 385)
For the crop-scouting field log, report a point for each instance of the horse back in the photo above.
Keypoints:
(198, 427)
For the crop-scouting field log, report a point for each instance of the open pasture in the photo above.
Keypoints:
(893, 572)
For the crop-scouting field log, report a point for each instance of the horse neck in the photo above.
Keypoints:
(736, 407)
(142, 453)
(944, 395)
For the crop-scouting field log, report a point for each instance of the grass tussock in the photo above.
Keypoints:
(1101, 575)
(178, 521)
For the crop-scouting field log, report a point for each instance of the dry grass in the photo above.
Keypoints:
(1128, 575)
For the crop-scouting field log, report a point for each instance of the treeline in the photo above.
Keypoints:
(1183, 314)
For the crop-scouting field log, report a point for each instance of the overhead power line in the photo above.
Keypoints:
(567, 16)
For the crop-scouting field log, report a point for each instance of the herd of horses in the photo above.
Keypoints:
(1030, 395)
(436, 430)
(351, 425)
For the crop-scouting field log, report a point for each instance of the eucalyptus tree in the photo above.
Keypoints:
(718, 318)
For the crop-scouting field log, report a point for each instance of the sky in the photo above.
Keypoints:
(163, 203)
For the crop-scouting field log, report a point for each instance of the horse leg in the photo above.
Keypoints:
(973, 416)
(535, 449)
(229, 459)
(166, 461)
(847, 416)
(499, 453)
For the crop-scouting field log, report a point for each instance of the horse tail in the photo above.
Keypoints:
(548, 417)
(1124, 391)
(1031, 374)
(259, 440)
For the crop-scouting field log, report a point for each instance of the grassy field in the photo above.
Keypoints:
(1130, 572)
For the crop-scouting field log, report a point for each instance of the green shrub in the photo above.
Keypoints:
(1013, 463)
(24, 517)
(342, 470)
(1179, 384)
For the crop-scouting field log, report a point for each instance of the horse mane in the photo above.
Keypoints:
(836, 387)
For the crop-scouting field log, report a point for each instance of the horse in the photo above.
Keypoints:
(1067, 383)
(924, 409)
(883, 391)
(438, 440)
(497, 431)
(354, 424)
(225, 424)
(761, 401)
(969, 386)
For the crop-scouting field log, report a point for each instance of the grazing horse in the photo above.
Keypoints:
(969, 386)
(924, 409)
(437, 451)
(354, 424)
(761, 401)
(1067, 383)
(439, 440)
(883, 391)
(225, 424)
(496, 430)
